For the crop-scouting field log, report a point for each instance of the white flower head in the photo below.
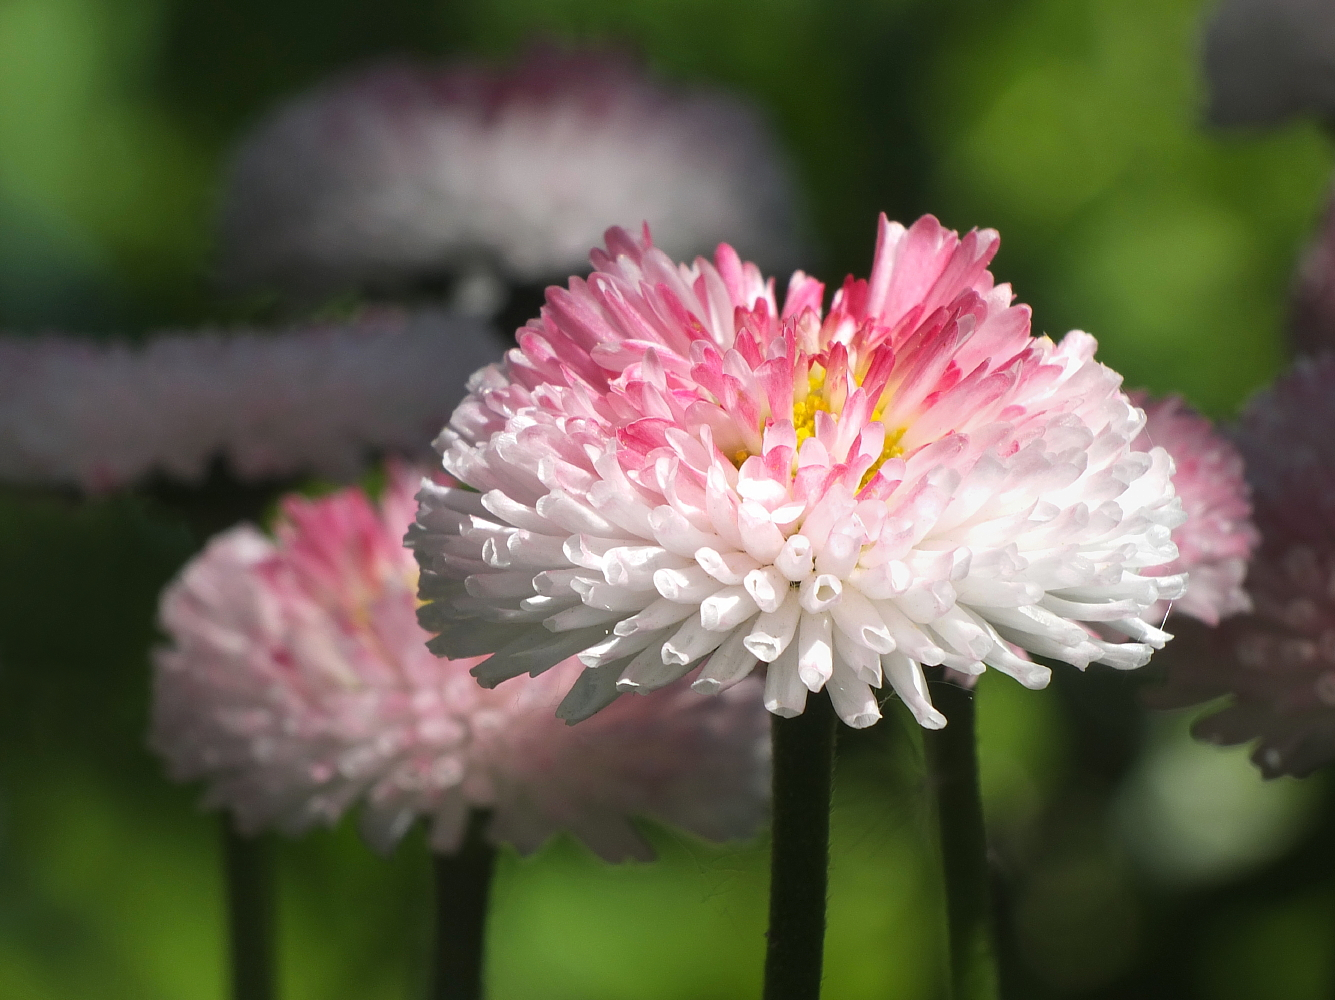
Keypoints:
(673, 472)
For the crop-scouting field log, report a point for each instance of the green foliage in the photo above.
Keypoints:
(1070, 125)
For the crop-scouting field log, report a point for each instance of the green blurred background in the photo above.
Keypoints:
(1131, 862)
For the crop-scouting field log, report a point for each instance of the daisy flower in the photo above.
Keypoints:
(1278, 662)
(1218, 537)
(672, 471)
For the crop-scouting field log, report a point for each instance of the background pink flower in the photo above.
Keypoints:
(1217, 538)
(1278, 662)
(297, 686)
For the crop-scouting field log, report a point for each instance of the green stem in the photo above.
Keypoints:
(799, 864)
(952, 762)
(463, 884)
(249, 914)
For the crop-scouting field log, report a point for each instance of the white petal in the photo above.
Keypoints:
(728, 664)
(728, 568)
(852, 699)
(926, 600)
(858, 619)
(689, 585)
(767, 587)
(785, 694)
(678, 535)
(794, 560)
(864, 662)
(597, 594)
(690, 642)
(725, 610)
(774, 630)
(648, 672)
(819, 592)
(905, 676)
(962, 634)
(909, 639)
(618, 647)
(660, 614)
(815, 650)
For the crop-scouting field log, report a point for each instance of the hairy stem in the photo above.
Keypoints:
(952, 761)
(463, 884)
(250, 907)
(799, 864)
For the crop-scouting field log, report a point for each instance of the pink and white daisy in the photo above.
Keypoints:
(321, 399)
(297, 685)
(1218, 537)
(672, 471)
(403, 172)
(1278, 662)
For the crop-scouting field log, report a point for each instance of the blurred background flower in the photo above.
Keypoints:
(1278, 663)
(1217, 538)
(1073, 126)
(297, 685)
(322, 400)
(469, 177)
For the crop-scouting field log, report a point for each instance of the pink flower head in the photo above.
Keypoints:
(298, 684)
(323, 399)
(402, 172)
(674, 472)
(1217, 538)
(1278, 662)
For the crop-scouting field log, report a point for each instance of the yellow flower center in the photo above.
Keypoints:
(815, 400)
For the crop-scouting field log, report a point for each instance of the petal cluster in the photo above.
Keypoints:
(297, 685)
(403, 172)
(320, 399)
(1268, 60)
(1278, 662)
(671, 471)
(1218, 537)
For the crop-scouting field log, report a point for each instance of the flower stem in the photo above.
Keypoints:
(952, 761)
(463, 884)
(249, 914)
(799, 864)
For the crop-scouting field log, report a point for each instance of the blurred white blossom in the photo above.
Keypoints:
(320, 399)
(403, 173)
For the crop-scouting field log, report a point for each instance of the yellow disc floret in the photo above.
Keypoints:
(806, 408)
(815, 400)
